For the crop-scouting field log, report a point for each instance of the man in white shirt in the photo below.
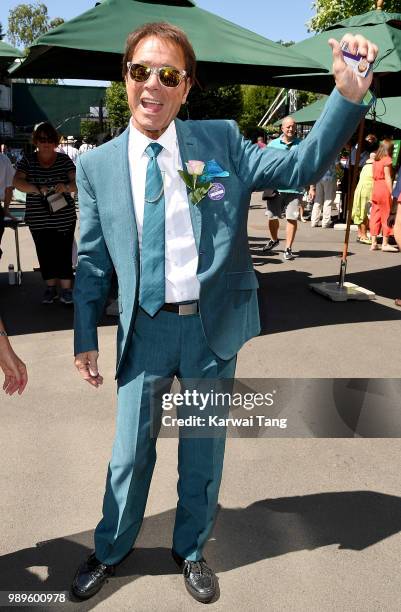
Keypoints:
(85, 146)
(67, 146)
(165, 204)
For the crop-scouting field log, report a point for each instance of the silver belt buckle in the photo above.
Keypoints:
(188, 309)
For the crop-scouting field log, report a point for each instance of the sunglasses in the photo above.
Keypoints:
(167, 75)
(45, 141)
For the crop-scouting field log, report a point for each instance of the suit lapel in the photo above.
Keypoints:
(189, 150)
(124, 198)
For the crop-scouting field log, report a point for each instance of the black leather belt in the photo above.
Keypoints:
(182, 309)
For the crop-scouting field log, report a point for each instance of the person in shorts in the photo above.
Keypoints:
(286, 203)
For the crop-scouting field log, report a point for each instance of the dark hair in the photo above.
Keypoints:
(47, 130)
(371, 147)
(166, 31)
(385, 149)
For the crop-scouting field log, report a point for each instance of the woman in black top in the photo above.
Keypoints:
(40, 174)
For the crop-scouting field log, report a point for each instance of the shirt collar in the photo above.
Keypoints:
(137, 142)
(288, 144)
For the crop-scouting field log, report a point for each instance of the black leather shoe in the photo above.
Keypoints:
(200, 580)
(90, 577)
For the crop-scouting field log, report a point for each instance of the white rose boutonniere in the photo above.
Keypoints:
(198, 177)
(191, 178)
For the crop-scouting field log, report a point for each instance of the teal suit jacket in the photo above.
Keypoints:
(228, 285)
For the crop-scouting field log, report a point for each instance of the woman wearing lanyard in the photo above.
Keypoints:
(48, 179)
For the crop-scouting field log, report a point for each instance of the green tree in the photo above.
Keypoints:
(54, 23)
(306, 97)
(257, 99)
(25, 23)
(90, 130)
(214, 102)
(329, 12)
(117, 105)
(285, 43)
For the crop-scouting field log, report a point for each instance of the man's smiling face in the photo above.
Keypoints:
(289, 129)
(153, 106)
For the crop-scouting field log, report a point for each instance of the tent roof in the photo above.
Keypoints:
(386, 111)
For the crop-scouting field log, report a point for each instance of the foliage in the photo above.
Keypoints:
(215, 102)
(25, 23)
(271, 130)
(54, 23)
(287, 43)
(257, 99)
(329, 12)
(117, 105)
(305, 98)
(90, 130)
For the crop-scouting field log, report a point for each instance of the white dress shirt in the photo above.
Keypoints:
(181, 256)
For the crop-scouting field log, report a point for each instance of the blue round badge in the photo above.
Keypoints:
(217, 191)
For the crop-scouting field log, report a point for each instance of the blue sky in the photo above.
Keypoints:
(283, 19)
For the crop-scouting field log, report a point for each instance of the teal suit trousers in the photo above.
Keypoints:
(162, 347)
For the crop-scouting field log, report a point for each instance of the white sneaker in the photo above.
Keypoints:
(288, 254)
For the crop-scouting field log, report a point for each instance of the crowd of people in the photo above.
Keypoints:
(48, 173)
(373, 196)
(372, 199)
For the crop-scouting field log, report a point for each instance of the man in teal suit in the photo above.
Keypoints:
(187, 289)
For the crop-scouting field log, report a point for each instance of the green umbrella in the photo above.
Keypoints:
(384, 29)
(91, 45)
(387, 111)
(8, 54)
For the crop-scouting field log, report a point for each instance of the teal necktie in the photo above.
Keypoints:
(152, 283)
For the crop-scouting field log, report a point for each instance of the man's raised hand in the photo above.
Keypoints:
(350, 85)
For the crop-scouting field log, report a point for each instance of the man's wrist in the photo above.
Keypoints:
(368, 99)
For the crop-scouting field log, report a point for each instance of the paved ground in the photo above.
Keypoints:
(304, 524)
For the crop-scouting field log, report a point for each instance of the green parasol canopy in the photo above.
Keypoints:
(91, 45)
(387, 111)
(8, 54)
(384, 29)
